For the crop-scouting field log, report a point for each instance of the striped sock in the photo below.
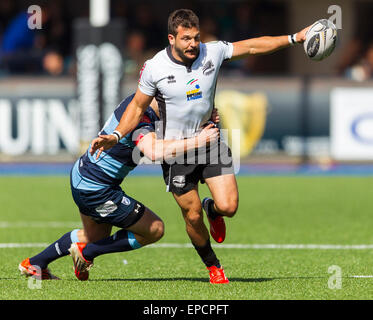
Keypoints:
(120, 241)
(57, 249)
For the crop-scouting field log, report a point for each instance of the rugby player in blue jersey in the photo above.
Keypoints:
(95, 185)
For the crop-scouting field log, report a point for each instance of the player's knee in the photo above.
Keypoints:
(194, 217)
(157, 230)
(228, 208)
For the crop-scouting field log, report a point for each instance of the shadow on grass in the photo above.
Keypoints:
(232, 280)
(181, 279)
(206, 279)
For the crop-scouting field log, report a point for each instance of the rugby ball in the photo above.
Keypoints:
(321, 39)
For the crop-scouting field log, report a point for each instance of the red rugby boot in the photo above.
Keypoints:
(217, 225)
(29, 270)
(217, 275)
(81, 265)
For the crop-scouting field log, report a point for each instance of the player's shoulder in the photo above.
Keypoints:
(219, 48)
(154, 66)
(217, 44)
(158, 58)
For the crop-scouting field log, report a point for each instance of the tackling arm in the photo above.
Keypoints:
(157, 149)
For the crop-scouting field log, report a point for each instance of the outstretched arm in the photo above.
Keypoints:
(128, 122)
(264, 45)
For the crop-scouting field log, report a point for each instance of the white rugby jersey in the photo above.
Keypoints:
(185, 94)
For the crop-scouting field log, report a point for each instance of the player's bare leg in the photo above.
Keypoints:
(149, 229)
(191, 209)
(93, 231)
(190, 205)
(224, 192)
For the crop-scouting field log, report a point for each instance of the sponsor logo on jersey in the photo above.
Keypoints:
(171, 79)
(195, 93)
(208, 68)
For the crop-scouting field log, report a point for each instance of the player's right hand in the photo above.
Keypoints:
(103, 142)
(301, 35)
(208, 135)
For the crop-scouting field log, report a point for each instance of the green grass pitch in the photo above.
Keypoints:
(272, 210)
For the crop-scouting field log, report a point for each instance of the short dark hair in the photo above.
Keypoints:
(182, 17)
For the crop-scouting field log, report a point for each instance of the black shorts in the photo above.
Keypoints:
(183, 176)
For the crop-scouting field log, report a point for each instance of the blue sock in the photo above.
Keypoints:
(120, 241)
(57, 249)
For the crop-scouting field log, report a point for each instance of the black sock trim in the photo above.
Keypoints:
(207, 254)
(211, 212)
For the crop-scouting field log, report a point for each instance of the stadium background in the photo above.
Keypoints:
(281, 102)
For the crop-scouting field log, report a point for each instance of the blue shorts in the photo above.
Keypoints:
(109, 205)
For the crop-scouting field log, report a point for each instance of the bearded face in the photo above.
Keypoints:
(185, 44)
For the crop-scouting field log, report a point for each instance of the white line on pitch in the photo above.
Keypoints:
(40, 224)
(361, 276)
(226, 246)
(22, 245)
(271, 246)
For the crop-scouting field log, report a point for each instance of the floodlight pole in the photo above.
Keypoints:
(99, 13)
(98, 43)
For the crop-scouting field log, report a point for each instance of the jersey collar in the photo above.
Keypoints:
(172, 58)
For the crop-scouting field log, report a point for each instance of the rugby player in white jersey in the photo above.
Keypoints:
(183, 79)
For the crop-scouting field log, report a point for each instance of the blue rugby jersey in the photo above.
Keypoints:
(114, 164)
